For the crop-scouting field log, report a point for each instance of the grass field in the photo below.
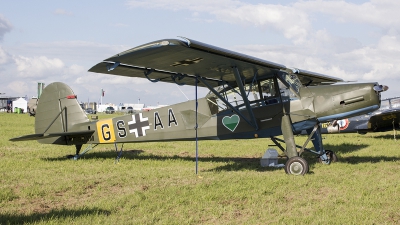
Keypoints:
(155, 183)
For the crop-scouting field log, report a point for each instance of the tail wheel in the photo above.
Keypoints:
(296, 166)
(331, 157)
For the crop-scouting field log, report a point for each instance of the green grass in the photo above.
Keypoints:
(155, 183)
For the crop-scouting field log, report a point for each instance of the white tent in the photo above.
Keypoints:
(20, 103)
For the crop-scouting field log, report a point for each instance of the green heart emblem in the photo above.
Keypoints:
(231, 122)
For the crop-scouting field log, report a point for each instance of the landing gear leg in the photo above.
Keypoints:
(331, 157)
(325, 156)
(119, 154)
(295, 164)
(288, 136)
(78, 150)
(76, 156)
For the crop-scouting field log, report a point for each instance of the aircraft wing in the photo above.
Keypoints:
(179, 61)
(385, 121)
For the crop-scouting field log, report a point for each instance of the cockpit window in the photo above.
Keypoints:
(268, 88)
(287, 93)
(292, 81)
(259, 93)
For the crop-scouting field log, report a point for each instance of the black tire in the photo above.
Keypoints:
(331, 157)
(296, 166)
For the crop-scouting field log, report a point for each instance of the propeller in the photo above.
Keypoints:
(381, 88)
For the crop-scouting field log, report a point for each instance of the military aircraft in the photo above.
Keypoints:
(386, 118)
(249, 98)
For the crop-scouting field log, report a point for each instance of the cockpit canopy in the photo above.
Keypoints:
(259, 92)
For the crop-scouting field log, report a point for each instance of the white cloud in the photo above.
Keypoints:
(5, 26)
(389, 43)
(293, 20)
(93, 82)
(38, 66)
(4, 56)
(380, 13)
(76, 69)
(379, 70)
(110, 79)
(363, 63)
(192, 5)
(292, 23)
(72, 51)
(19, 87)
(374, 63)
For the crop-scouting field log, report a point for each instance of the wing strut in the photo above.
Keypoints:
(196, 126)
(225, 101)
(252, 83)
(244, 96)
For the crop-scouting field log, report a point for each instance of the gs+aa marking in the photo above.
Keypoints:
(106, 131)
(139, 125)
(121, 128)
(171, 119)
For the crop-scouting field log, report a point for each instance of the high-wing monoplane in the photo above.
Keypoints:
(248, 98)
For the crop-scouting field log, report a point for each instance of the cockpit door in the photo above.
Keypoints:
(269, 108)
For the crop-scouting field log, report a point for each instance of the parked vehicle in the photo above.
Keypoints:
(110, 110)
(129, 109)
(90, 111)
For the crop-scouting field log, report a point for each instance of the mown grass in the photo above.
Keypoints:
(155, 183)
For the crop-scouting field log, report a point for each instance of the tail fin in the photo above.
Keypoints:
(58, 115)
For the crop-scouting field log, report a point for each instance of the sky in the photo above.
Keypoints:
(59, 41)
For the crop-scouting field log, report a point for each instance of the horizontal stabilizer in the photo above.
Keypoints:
(28, 137)
(73, 133)
(42, 136)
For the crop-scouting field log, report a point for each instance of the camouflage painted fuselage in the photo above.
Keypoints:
(178, 122)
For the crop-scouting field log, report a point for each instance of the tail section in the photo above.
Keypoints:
(59, 117)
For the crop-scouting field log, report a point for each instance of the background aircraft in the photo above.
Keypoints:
(248, 98)
(386, 118)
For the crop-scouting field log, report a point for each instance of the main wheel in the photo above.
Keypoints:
(331, 157)
(296, 166)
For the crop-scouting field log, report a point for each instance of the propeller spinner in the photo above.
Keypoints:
(381, 88)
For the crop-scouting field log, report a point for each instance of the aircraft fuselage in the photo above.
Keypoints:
(177, 122)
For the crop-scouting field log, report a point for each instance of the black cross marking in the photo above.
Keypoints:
(187, 62)
(138, 125)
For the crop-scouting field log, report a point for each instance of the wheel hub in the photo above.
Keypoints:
(296, 168)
